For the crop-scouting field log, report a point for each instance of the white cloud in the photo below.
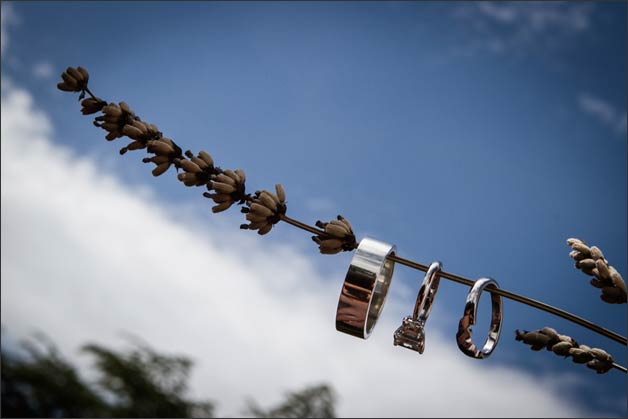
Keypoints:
(520, 27)
(43, 70)
(538, 17)
(603, 111)
(500, 12)
(84, 257)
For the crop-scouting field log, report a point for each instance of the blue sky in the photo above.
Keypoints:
(478, 134)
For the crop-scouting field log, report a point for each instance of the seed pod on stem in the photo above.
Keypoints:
(264, 209)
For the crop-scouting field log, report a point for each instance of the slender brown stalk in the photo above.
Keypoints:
(264, 208)
(303, 226)
(506, 294)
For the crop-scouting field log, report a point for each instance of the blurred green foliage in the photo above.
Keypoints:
(312, 402)
(138, 382)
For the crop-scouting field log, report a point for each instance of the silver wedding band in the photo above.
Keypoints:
(464, 335)
(365, 288)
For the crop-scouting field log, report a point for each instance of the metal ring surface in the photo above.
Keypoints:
(365, 288)
(411, 333)
(427, 292)
(464, 335)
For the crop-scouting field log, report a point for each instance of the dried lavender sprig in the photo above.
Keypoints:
(74, 80)
(339, 236)
(164, 159)
(198, 170)
(566, 346)
(92, 105)
(119, 121)
(229, 188)
(591, 261)
(264, 209)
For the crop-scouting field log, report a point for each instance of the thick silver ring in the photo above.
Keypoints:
(463, 337)
(411, 333)
(364, 291)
